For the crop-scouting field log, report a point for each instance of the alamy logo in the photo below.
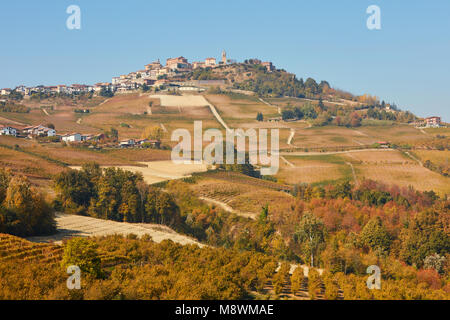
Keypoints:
(374, 281)
(233, 148)
(374, 20)
(73, 22)
(74, 280)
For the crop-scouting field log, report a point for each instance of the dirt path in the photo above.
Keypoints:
(70, 226)
(353, 172)
(289, 142)
(227, 208)
(423, 131)
(358, 142)
(290, 164)
(414, 158)
(217, 115)
(330, 153)
(270, 105)
(104, 102)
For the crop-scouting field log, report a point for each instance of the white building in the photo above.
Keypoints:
(73, 137)
(5, 91)
(8, 131)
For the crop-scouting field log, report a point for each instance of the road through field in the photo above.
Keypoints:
(330, 153)
(227, 208)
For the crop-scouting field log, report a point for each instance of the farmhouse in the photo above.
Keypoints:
(433, 122)
(8, 131)
(5, 91)
(40, 131)
(72, 137)
(127, 143)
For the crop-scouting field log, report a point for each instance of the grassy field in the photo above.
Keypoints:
(435, 156)
(387, 166)
(237, 194)
(331, 136)
(314, 169)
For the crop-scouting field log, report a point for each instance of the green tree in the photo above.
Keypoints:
(425, 236)
(82, 253)
(259, 117)
(310, 234)
(375, 236)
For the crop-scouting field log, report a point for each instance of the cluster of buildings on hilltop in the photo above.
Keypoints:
(430, 122)
(157, 74)
(154, 74)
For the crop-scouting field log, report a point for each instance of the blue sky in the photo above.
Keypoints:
(406, 62)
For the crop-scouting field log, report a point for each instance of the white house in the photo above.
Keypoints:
(40, 130)
(127, 143)
(8, 131)
(73, 137)
(5, 91)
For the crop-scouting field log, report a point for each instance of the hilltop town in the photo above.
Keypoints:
(154, 74)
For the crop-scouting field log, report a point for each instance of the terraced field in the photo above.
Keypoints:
(13, 248)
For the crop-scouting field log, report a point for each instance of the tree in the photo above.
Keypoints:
(435, 262)
(5, 178)
(259, 117)
(106, 93)
(297, 280)
(27, 213)
(375, 236)
(153, 133)
(310, 234)
(425, 236)
(314, 283)
(82, 253)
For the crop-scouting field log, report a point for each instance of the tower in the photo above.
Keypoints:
(224, 57)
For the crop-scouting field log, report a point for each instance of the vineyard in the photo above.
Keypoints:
(14, 248)
(17, 249)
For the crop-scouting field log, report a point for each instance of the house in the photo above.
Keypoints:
(127, 143)
(156, 65)
(47, 132)
(72, 137)
(153, 143)
(177, 63)
(5, 91)
(384, 144)
(433, 122)
(8, 131)
(210, 62)
(269, 66)
(40, 131)
(62, 89)
(198, 64)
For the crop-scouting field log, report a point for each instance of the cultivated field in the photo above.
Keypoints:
(78, 226)
(313, 169)
(234, 191)
(414, 175)
(435, 156)
(159, 171)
